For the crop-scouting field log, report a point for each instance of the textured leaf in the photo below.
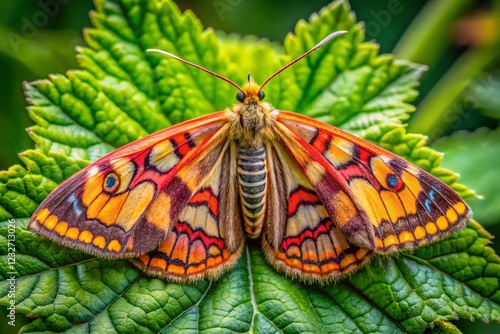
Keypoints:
(479, 170)
(242, 52)
(458, 277)
(121, 93)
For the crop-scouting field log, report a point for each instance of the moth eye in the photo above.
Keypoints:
(240, 96)
(111, 182)
(261, 95)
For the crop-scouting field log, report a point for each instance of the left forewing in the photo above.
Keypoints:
(123, 205)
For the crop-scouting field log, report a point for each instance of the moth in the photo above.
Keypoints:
(180, 202)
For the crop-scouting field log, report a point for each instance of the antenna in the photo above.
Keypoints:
(314, 48)
(196, 66)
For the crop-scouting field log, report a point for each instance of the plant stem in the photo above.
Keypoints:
(436, 112)
(427, 37)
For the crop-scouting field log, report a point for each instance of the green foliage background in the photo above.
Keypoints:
(458, 106)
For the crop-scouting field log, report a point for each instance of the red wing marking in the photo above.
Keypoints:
(299, 197)
(309, 233)
(364, 155)
(208, 198)
(184, 228)
(321, 141)
(182, 144)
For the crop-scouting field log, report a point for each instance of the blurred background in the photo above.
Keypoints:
(458, 106)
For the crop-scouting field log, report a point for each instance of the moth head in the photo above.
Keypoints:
(251, 92)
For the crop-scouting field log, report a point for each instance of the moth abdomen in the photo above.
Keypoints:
(252, 179)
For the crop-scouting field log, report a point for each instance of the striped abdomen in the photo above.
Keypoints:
(253, 187)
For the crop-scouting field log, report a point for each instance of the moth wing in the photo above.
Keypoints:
(207, 238)
(300, 237)
(400, 205)
(125, 204)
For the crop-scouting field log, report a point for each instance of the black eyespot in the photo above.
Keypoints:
(261, 95)
(240, 97)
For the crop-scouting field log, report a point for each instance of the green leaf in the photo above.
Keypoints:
(22, 190)
(120, 94)
(242, 52)
(483, 94)
(479, 168)
(458, 277)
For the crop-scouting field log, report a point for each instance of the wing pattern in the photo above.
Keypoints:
(323, 201)
(300, 238)
(401, 206)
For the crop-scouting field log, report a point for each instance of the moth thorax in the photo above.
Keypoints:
(252, 117)
(252, 179)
